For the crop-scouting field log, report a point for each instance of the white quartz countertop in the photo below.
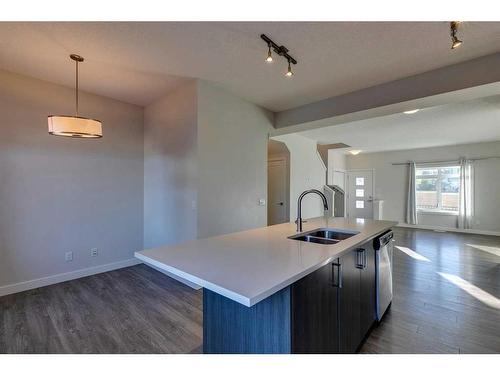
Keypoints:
(249, 266)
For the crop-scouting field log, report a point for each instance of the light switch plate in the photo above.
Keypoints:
(262, 202)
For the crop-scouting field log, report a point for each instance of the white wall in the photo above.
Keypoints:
(336, 162)
(170, 168)
(391, 181)
(59, 194)
(307, 171)
(232, 162)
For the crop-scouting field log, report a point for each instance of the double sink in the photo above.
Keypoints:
(324, 236)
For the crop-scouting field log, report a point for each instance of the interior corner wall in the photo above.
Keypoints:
(59, 194)
(307, 171)
(391, 181)
(170, 168)
(232, 162)
(336, 162)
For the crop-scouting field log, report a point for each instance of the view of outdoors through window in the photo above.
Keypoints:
(438, 188)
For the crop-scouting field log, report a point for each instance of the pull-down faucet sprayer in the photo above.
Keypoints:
(299, 206)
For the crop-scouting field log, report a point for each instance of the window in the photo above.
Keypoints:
(360, 192)
(438, 188)
(360, 181)
(360, 204)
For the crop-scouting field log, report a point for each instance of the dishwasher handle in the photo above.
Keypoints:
(383, 240)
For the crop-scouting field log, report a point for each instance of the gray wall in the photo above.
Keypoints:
(232, 162)
(59, 194)
(170, 168)
(205, 165)
(391, 181)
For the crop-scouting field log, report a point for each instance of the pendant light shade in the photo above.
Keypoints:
(75, 126)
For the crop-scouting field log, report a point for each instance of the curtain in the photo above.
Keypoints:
(466, 209)
(411, 203)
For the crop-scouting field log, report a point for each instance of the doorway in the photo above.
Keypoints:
(278, 183)
(360, 194)
(276, 174)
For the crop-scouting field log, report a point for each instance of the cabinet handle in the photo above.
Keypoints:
(337, 283)
(359, 258)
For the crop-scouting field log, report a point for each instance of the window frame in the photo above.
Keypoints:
(439, 178)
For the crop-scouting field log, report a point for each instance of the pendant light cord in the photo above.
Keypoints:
(76, 88)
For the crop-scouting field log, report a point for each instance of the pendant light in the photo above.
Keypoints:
(75, 126)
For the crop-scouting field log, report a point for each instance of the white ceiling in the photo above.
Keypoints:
(138, 62)
(468, 122)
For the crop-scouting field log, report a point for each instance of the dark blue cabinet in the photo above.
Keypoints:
(328, 311)
(315, 311)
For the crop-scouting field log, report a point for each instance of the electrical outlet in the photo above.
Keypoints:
(68, 257)
(94, 252)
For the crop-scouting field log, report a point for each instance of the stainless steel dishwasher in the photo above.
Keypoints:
(383, 246)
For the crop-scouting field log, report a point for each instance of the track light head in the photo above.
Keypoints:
(269, 54)
(455, 42)
(289, 72)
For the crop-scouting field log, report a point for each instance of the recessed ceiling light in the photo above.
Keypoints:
(411, 112)
(354, 152)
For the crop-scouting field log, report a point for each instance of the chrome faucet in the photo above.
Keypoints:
(299, 206)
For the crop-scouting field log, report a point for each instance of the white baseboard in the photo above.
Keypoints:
(444, 229)
(61, 277)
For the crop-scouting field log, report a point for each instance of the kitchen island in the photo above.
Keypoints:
(267, 293)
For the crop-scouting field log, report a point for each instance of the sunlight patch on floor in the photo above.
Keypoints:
(488, 249)
(412, 253)
(473, 290)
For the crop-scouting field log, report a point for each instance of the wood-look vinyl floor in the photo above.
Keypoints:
(446, 300)
(131, 310)
(446, 296)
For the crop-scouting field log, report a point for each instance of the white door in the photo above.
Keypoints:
(360, 194)
(276, 192)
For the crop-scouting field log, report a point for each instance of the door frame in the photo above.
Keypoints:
(287, 184)
(348, 171)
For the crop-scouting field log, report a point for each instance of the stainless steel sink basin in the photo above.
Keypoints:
(324, 236)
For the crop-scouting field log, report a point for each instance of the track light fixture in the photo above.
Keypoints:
(281, 51)
(455, 42)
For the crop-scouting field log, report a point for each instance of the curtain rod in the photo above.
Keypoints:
(447, 161)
